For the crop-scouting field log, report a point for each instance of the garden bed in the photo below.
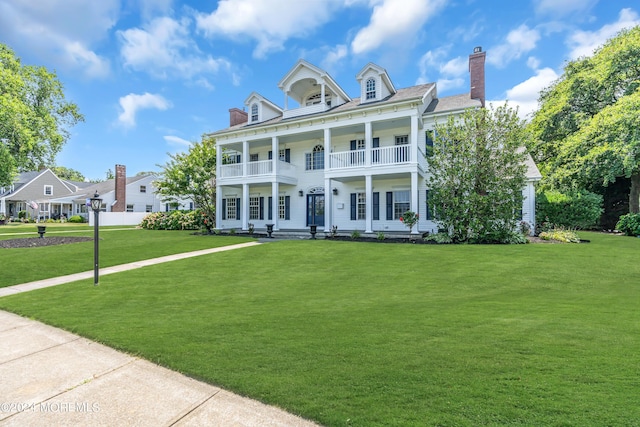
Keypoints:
(33, 242)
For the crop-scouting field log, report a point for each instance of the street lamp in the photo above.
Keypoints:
(96, 204)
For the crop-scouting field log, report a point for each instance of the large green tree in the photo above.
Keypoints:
(477, 173)
(68, 173)
(586, 130)
(191, 175)
(34, 116)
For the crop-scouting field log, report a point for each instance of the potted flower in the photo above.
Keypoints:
(409, 218)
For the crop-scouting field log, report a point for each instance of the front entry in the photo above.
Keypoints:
(315, 209)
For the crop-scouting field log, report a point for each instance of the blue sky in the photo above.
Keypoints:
(151, 76)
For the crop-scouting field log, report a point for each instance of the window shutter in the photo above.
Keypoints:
(376, 206)
(389, 205)
(261, 208)
(376, 142)
(224, 209)
(270, 208)
(237, 208)
(270, 155)
(353, 144)
(287, 155)
(353, 206)
(287, 200)
(428, 210)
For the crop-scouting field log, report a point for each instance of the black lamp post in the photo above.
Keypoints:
(96, 204)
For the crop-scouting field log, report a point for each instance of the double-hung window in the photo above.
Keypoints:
(370, 89)
(254, 207)
(48, 190)
(398, 202)
(254, 113)
(231, 208)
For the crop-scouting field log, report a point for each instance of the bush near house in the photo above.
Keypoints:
(629, 224)
(576, 209)
(76, 219)
(174, 220)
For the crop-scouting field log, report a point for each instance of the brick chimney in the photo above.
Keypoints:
(121, 189)
(476, 72)
(237, 116)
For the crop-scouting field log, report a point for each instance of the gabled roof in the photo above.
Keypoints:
(260, 98)
(292, 76)
(24, 179)
(381, 72)
(452, 103)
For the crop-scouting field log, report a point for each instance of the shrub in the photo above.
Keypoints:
(380, 235)
(174, 220)
(355, 234)
(76, 218)
(629, 224)
(577, 209)
(439, 237)
(566, 236)
(22, 215)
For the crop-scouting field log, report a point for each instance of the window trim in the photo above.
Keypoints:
(370, 91)
(255, 115)
(48, 190)
(143, 188)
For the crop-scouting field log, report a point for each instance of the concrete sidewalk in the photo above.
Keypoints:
(53, 377)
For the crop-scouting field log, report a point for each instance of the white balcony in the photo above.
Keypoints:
(259, 169)
(381, 156)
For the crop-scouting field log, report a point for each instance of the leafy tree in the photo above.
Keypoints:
(67, 173)
(586, 132)
(34, 115)
(191, 175)
(477, 175)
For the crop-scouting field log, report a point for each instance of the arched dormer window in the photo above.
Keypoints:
(316, 98)
(370, 88)
(254, 112)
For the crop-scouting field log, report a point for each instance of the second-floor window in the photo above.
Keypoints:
(48, 190)
(253, 157)
(370, 89)
(143, 188)
(254, 112)
(315, 159)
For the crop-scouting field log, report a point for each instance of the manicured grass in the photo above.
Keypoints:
(117, 246)
(377, 334)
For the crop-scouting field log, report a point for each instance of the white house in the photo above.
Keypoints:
(332, 160)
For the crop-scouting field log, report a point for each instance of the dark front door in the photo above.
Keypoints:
(315, 209)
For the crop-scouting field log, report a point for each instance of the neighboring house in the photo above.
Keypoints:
(56, 197)
(33, 192)
(332, 160)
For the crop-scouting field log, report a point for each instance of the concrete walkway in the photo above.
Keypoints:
(53, 377)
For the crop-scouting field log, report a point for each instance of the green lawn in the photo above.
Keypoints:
(117, 246)
(368, 334)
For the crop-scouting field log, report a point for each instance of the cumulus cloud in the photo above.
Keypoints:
(62, 32)
(334, 56)
(518, 42)
(584, 43)
(267, 22)
(525, 95)
(450, 72)
(133, 102)
(164, 47)
(393, 21)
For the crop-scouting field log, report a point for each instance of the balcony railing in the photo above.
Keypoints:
(259, 168)
(394, 155)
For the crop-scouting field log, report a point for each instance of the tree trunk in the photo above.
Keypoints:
(634, 193)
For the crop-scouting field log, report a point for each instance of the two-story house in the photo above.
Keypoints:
(331, 160)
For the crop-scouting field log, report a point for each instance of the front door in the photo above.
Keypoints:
(315, 209)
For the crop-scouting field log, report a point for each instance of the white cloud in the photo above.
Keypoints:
(558, 8)
(525, 95)
(164, 47)
(132, 103)
(60, 32)
(533, 63)
(584, 43)
(334, 56)
(393, 21)
(450, 72)
(518, 42)
(268, 22)
(176, 141)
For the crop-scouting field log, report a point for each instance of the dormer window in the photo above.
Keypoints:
(370, 89)
(316, 99)
(254, 112)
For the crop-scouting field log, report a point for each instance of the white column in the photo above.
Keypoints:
(414, 199)
(413, 139)
(328, 204)
(327, 149)
(368, 185)
(275, 155)
(368, 143)
(3, 207)
(274, 205)
(322, 94)
(245, 206)
(245, 157)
